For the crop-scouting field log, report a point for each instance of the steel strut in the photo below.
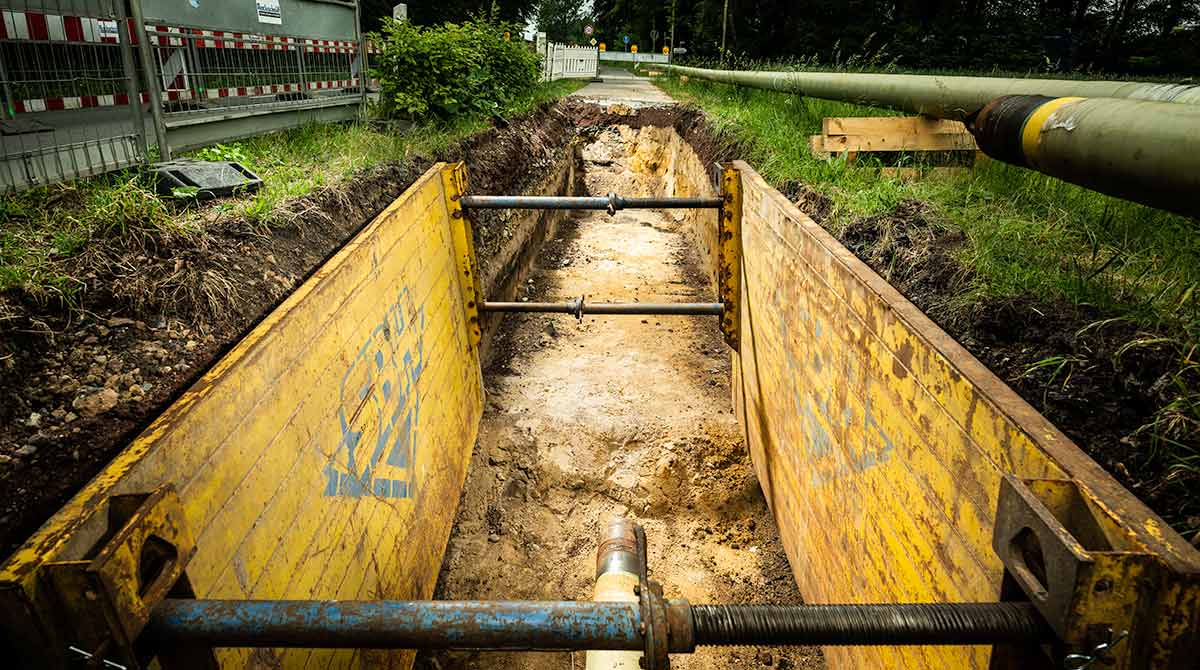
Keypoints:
(653, 625)
(580, 307)
(570, 625)
(610, 203)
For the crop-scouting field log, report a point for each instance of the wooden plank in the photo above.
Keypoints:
(816, 145)
(879, 442)
(324, 455)
(897, 142)
(890, 125)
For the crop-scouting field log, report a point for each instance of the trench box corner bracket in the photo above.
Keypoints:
(454, 182)
(105, 588)
(729, 263)
(1091, 578)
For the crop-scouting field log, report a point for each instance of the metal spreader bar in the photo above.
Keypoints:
(578, 308)
(610, 203)
(549, 626)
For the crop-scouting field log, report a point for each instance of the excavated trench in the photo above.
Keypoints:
(611, 416)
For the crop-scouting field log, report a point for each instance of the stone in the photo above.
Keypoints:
(97, 402)
(493, 538)
(35, 420)
(27, 450)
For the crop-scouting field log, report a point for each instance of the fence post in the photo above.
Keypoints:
(153, 81)
(300, 47)
(9, 111)
(125, 38)
(361, 38)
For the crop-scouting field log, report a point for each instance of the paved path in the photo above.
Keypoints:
(619, 86)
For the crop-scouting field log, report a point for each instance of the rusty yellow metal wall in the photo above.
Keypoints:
(323, 457)
(879, 442)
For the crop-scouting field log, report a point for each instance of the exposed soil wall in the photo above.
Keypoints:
(505, 262)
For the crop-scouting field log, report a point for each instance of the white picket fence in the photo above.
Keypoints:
(568, 62)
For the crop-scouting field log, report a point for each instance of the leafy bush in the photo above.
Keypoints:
(451, 70)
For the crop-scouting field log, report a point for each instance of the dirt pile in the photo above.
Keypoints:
(614, 416)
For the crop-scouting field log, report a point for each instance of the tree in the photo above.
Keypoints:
(561, 20)
(452, 11)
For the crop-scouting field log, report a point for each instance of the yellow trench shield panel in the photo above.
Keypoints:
(323, 457)
(881, 443)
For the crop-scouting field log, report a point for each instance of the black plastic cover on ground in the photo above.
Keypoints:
(204, 179)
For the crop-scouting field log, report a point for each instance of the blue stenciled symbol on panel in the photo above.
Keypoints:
(379, 409)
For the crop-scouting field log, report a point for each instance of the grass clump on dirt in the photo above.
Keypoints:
(52, 236)
(1088, 305)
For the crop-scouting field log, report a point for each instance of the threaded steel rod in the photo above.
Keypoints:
(579, 309)
(612, 202)
(932, 624)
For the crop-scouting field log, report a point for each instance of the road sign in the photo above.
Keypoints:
(626, 39)
(603, 46)
(587, 31)
(633, 48)
(679, 51)
(666, 51)
(593, 41)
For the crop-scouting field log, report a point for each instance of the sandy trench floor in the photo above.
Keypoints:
(613, 416)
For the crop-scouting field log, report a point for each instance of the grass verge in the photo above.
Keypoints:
(43, 229)
(1024, 237)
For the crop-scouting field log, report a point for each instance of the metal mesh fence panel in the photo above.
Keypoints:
(69, 92)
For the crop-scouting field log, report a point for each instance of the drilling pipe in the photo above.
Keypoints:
(1132, 140)
(943, 97)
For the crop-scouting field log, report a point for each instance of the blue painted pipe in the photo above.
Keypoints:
(524, 625)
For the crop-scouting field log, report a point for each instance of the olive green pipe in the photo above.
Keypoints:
(934, 95)
(1135, 141)
(1140, 150)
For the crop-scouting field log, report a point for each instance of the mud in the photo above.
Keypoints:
(614, 416)
(77, 383)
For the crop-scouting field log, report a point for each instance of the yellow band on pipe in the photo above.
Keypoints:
(1032, 130)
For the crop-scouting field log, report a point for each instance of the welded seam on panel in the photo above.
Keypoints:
(730, 271)
(454, 178)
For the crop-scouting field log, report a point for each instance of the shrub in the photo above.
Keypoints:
(451, 70)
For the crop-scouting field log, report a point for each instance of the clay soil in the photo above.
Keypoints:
(624, 416)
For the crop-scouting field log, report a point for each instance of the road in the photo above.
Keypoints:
(621, 86)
